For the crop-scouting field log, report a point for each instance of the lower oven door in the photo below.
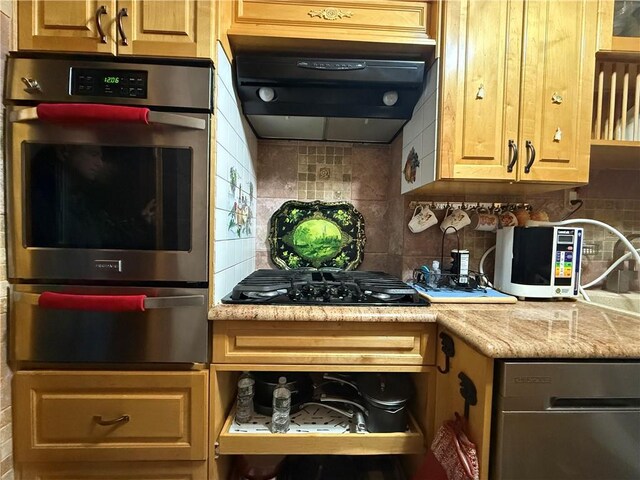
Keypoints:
(108, 324)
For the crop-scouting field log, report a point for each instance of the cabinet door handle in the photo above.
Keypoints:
(122, 13)
(531, 153)
(102, 10)
(513, 148)
(105, 423)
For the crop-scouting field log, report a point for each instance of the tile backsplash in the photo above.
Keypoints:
(366, 175)
(235, 187)
(328, 171)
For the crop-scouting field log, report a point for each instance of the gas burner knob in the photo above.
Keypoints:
(359, 295)
(308, 290)
(343, 291)
(294, 295)
(326, 294)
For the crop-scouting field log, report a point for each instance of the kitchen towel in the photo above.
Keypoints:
(91, 112)
(452, 456)
(96, 303)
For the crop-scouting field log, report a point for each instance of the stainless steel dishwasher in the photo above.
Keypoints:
(566, 420)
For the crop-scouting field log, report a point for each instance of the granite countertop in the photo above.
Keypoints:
(531, 329)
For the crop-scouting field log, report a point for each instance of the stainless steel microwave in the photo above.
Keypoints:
(538, 262)
(99, 199)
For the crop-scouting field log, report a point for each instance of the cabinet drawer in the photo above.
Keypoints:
(113, 471)
(79, 416)
(323, 343)
(384, 21)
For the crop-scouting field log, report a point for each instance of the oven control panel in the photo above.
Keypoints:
(109, 83)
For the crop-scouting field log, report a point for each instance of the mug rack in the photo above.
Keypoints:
(490, 206)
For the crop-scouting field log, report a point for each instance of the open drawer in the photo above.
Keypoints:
(255, 438)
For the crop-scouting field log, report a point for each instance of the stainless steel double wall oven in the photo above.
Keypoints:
(107, 189)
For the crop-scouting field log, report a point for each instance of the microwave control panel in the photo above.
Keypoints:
(96, 82)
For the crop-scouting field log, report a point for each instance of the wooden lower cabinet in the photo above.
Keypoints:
(89, 416)
(350, 351)
(112, 471)
(449, 401)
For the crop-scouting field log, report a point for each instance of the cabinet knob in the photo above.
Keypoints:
(557, 137)
(556, 98)
(480, 93)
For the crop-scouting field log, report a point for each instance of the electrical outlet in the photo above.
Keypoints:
(591, 248)
(570, 195)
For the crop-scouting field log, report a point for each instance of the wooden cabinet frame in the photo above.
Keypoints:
(224, 374)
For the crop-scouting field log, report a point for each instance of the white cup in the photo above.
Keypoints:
(457, 219)
(484, 221)
(422, 219)
(508, 219)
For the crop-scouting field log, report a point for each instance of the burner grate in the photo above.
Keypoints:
(323, 287)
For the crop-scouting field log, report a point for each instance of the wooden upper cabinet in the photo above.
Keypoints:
(481, 90)
(67, 26)
(178, 28)
(526, 82)
(339, 25)
(174, 28)
(619, 26)
(557, 91)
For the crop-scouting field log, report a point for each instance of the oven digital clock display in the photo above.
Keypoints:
(109, 82)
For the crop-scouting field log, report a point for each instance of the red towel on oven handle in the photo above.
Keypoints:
(91, 112)
(95, 303)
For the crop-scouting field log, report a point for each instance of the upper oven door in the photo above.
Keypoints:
(108, 201)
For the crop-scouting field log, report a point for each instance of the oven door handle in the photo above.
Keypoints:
(68, 301)
(156, 118)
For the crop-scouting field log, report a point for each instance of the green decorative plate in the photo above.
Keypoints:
(317, 234)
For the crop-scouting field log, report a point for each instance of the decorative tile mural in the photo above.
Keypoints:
(241, 214)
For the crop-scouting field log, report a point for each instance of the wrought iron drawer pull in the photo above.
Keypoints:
(106, 423)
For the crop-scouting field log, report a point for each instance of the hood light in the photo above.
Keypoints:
(267, 94)
(390, 98)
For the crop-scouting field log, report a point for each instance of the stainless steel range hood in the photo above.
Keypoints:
(327, 98)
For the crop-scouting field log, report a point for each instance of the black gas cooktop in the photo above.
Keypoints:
(322, 287)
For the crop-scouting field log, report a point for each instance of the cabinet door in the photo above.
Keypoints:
(479, 369)
(172, 28)
(66, 26)
(480, 94)
(618, 28)
(557, 90)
